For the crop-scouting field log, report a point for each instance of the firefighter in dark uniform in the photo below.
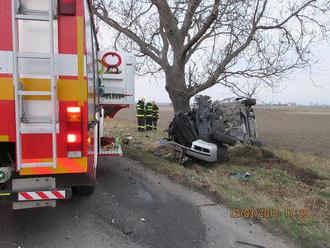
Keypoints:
(149, 115)
(155, 114)
(140, 114)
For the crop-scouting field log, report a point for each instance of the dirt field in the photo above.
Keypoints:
(297, 129)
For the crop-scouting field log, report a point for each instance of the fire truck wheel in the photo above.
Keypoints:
(84, 189)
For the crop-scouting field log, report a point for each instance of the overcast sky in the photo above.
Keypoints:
(302, 88)
(299, 88)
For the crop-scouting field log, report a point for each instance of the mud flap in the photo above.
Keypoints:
(37, 192)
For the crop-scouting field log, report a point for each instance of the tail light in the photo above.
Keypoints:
(73, 138)
(74, 132)
(74, 114)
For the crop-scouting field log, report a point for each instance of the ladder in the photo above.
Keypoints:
(51, 125)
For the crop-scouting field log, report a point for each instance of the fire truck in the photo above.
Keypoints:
(56, 87)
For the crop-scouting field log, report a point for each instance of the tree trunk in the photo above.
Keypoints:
(180, 103)
(177, 90)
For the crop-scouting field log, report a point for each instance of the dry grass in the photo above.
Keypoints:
(281, 179)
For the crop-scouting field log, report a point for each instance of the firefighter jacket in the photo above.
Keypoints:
(140, 109)
(149, 110)
(155, 112)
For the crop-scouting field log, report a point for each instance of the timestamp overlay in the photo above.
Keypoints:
(270, 212)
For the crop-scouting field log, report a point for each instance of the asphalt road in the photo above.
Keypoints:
(131, 207)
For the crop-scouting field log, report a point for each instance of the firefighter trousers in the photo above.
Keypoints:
(141, 123)
(155, 122)
(149, 123)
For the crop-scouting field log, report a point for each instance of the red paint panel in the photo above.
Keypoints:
(6, 41)
(67, 34)
(80, 7)
(5, 75)
(81, 12)
(7, 119)
(36, 146)
(68, 77)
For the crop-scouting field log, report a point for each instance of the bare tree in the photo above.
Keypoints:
(197, 44)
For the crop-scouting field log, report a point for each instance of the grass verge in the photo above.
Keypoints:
(282, 181)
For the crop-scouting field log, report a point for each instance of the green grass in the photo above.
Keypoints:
(274, 183)
(324, 194)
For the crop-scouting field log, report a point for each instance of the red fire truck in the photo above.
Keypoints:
(55, 89)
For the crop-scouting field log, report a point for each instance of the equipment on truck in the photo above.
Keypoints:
(56, 87)
(210, 128)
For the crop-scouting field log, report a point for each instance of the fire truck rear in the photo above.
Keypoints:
(55, 89)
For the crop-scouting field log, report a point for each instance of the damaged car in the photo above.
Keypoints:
(211, 127)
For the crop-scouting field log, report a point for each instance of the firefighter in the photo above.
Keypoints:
(140, 114)
(155, 113)
(149, 116)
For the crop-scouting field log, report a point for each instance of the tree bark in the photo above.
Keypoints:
(177, 90)
(180, 103)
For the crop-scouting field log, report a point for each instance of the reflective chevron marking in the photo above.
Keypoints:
(41, 195)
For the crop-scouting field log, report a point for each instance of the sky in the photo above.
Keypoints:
(302, 87)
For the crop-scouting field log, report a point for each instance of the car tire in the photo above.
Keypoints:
(182, 130)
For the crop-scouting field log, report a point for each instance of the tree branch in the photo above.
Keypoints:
(188, 19)
(169, 23)
(209, 21)
(213, 78)
(145, 48)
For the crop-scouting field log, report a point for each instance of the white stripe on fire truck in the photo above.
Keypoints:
(67, 64)
(41, 195)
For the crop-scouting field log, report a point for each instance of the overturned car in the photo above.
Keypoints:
(207, 131)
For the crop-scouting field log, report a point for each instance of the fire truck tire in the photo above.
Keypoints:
(84, 189)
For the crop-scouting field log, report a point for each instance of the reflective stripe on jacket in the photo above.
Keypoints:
(149, 110)
(140, 110)
(155, 111)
